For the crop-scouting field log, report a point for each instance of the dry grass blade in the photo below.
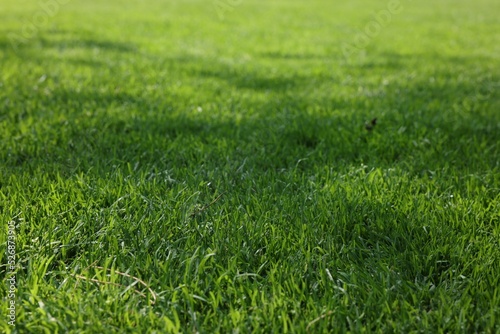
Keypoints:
(138, 280)
(206, 206)
(318, 319)
(108, 283)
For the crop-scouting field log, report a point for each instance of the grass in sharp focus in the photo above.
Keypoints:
(224, 162)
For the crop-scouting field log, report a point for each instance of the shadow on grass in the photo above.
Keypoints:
(276, 55)
(87, 43)
(438, 117)
(14, 42)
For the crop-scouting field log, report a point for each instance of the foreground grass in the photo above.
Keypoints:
(225, 163)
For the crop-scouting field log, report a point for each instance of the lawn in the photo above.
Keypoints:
(213, 167)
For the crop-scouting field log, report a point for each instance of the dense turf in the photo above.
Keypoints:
(219, 154)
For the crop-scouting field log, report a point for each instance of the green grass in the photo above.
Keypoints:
(223, 160)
